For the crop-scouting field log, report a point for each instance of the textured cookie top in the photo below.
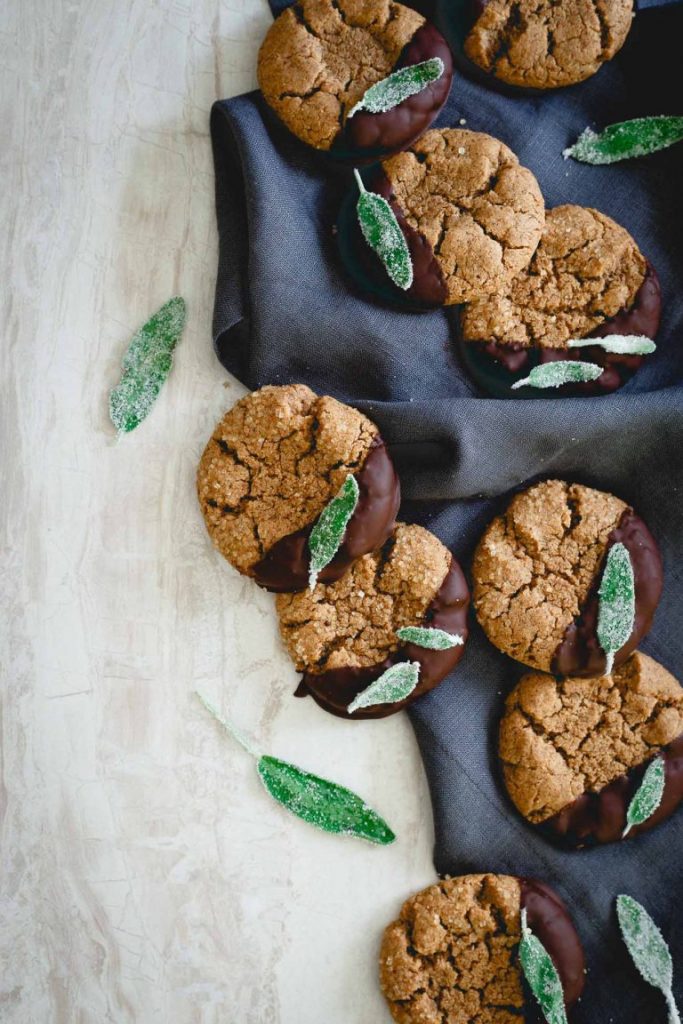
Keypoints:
(562, 738)
(452, 954)
(320, 57)
(586, 269)
(353, 623)
(481, 212)
(273, 463)
(542, 44)
(536, 563)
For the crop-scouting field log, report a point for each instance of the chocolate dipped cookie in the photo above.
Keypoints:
(319, 59)
(587, 279)
(273, 464)
(344, 636)
(452, 956)
(537, 572)
(574, 751)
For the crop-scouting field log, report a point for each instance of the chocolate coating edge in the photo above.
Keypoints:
(550, 921)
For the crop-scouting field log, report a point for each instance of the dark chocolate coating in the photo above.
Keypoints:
(549, 920)
(335, 690)
(368, 137)
(600, 817)
(285, 567)
(579, 653)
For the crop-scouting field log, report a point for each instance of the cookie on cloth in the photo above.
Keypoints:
(452, 956)
(471, 215)
(574, 751)
(343, 637)
(537, 571)
(273, 463)
(587, 278)
(320, 57)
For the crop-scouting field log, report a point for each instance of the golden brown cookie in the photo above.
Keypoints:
(587, 278)
(574, 751)
(343, 636)
(452, 955)
(273, 463)
(537, 568)
(542, 44)
(321, 56)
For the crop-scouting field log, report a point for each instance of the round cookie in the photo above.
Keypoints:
(537, 569)
(472, 217)
(343, 636)
(273, 463)
(451, 957)
(321, 56)
(574, 751)
(587, 278)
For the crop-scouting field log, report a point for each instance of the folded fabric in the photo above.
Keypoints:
(286, 312)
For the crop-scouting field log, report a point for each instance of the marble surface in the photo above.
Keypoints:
(145, 876)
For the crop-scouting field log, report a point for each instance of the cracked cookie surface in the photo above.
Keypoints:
(320, 57)
(536, 563)
(542, 44)
(562, 738)
(273, 463)
(481, 212)
(352, 623)
(586, 269)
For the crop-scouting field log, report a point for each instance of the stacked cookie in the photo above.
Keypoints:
(386, 601)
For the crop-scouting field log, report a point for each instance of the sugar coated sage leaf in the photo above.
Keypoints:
(554, 375)
(431, 639)
(397, 87)
(648, 949)
(620, 344)
(383, 234)
(328, 533)
(397, 683)
(541, 975)
(625, 140)
(648, 796)
(617, 603)
(146, 366)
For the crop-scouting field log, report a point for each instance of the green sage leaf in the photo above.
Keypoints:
(648, 796)
(397, 87)
(541, 975)
(328, 533)
(554, 375)
(397, 683)
(383, 234)
(617, 604)
(431, 639)
(626, 140)
(146, 366)
(620, 344)
(648, 949)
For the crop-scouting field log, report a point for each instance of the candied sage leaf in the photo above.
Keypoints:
(619, 344)
(383, 234)
(648, 949)
(648, 796)
(541, 975)
(328, 533)
(146, 366)
(397, 683)
(430, 638)
(617, 603)
(397, 87)
(626, 140)
(554, 375)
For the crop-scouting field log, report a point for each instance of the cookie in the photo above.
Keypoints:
(321, 56)
(537, 569)
(587, 278)
(451, 957)
(342, 637)
(574, 751)
(273, 463)
(472, 217)
(534, 45)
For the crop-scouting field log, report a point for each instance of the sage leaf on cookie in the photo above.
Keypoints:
(431, 639)
(648, 949)
(318, 801)
(554, 375)
(397, 683)
(541, 975)
(146, 366)
(617, 603)
(397, 87)
(328, 532)
(619, 344)
(625, 140)
(648, 796)
(383, 234)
